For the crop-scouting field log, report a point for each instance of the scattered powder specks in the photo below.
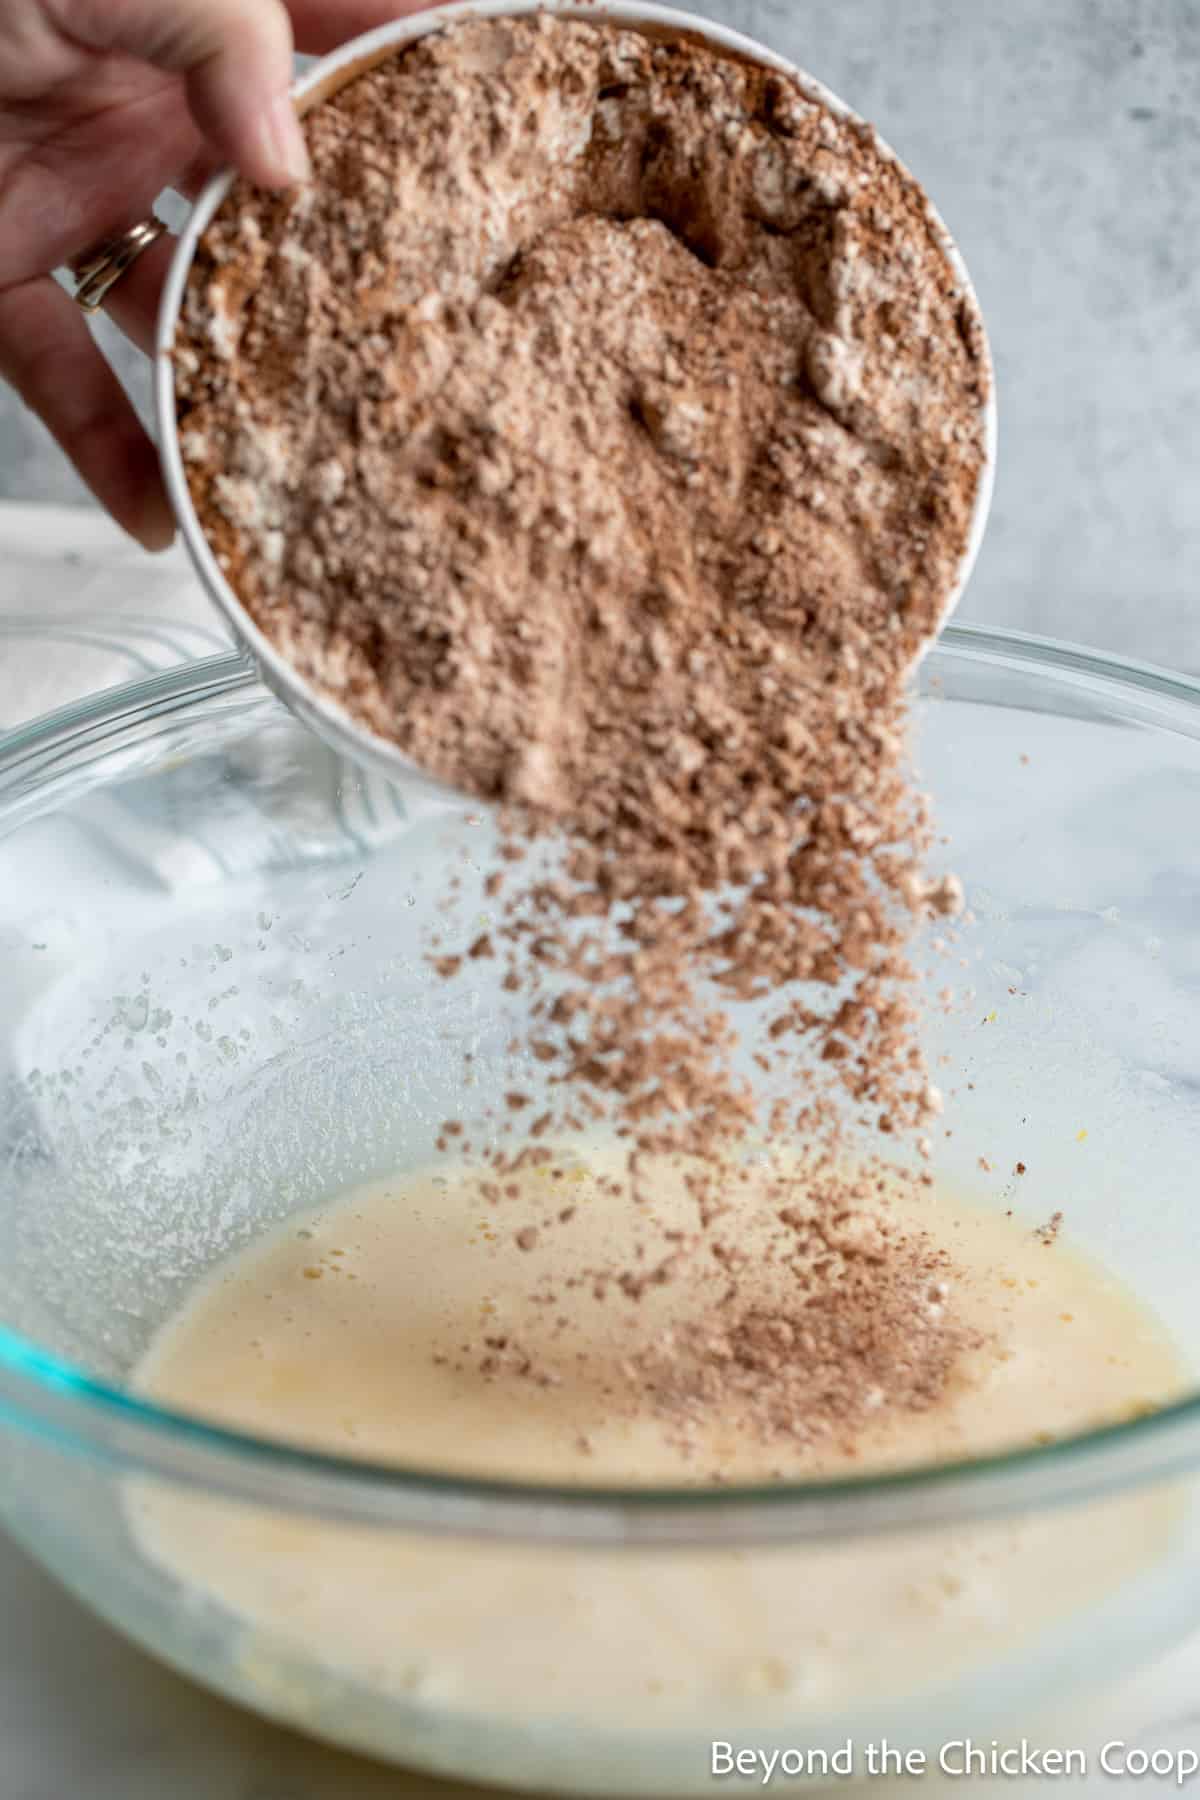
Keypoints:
(604, 427)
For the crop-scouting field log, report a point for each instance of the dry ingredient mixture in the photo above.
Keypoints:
(603, 426)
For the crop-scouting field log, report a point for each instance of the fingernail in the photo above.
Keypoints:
(157, 538)
(284, 144)
(155, 529)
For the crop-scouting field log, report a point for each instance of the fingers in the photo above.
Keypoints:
(236, 60)
(322, 25)
(47, 354)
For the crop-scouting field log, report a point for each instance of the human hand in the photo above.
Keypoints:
(103, 104)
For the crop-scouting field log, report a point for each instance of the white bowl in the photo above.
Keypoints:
(323, 715)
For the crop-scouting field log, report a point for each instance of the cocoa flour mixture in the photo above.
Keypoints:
(603, 426)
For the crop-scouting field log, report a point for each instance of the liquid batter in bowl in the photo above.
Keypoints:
(414, 1320)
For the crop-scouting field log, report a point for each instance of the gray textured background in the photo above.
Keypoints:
(1061, 139)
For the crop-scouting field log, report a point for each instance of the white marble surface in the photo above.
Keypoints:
(1061, 142)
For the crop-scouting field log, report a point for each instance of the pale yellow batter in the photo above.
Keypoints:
(358, 1330)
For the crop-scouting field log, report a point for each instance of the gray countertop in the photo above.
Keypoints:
(1062, 144)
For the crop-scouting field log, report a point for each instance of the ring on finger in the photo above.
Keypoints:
(98, 271)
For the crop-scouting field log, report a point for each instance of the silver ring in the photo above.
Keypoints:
(99, 270)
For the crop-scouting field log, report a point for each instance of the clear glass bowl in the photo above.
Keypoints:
(216, 1012)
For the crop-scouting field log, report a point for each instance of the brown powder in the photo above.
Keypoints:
(843, 1316)
(1047, 1234)
(858, 1320)
(866, 1333)
(604, 427)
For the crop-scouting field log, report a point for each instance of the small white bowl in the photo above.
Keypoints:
(331, 721)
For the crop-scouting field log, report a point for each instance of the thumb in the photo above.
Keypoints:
(235, 57)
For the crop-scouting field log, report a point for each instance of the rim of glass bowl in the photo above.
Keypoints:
(57, 759)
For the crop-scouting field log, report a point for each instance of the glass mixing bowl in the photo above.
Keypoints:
(216, 1011)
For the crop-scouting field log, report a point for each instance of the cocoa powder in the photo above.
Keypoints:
(603, 426)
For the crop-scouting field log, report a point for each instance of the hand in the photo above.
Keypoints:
(103, 104)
